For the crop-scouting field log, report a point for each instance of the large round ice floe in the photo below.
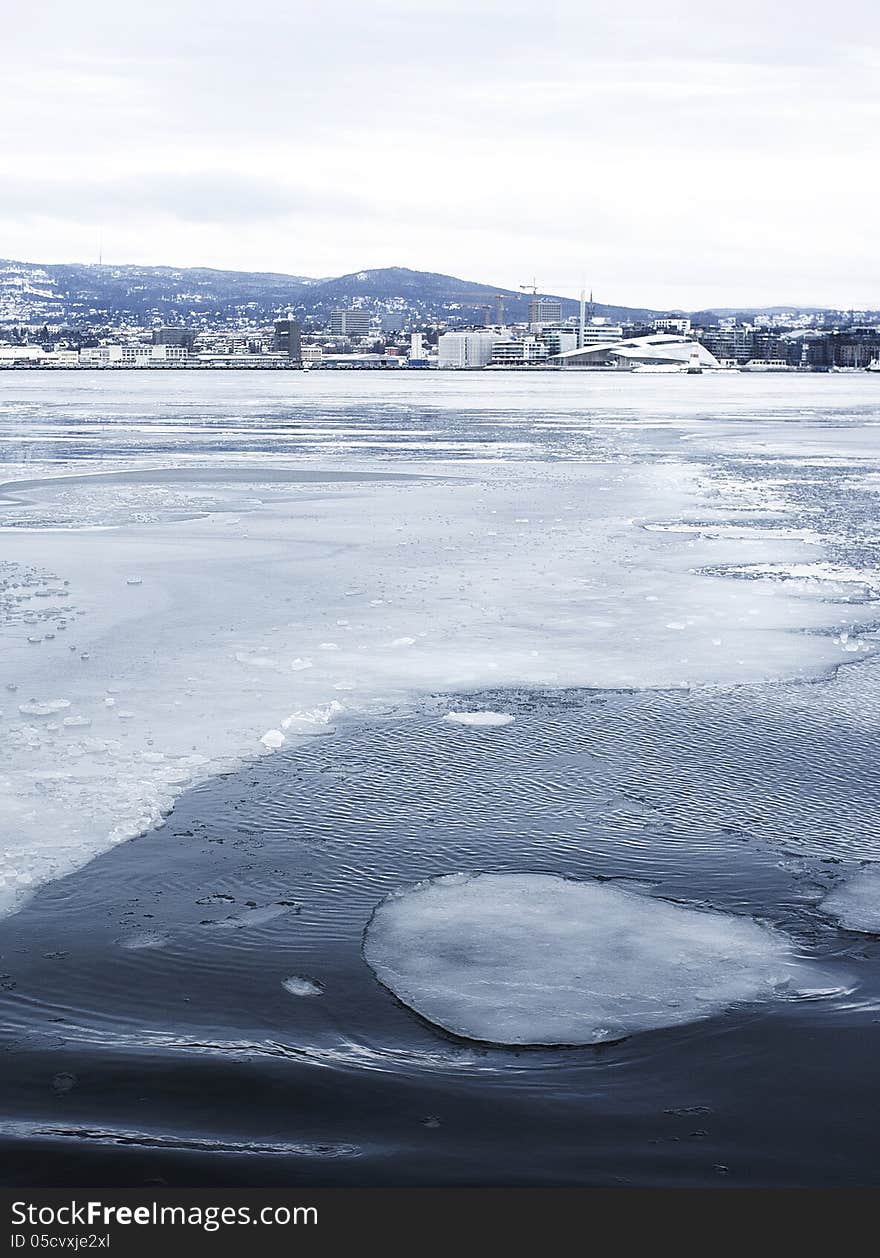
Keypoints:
(539, 959)
(856, 903)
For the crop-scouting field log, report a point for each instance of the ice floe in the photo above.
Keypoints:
(540, 959)
(46, 708)
(485, 720)
(856, 903)
(299, 985)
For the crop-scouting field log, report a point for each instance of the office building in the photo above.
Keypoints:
(288, 339)
(545, 310)
(352, 324)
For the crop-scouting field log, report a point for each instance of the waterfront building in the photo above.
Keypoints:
(557, 337)
(133, 356)
(731, 341)
(655, 350)
(12, 354)
(466, 349)
(288, 339)
(524, 351)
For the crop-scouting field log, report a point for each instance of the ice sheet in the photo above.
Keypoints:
(166, 622)
(538, 959)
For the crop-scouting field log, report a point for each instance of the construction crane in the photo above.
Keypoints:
(474, 300)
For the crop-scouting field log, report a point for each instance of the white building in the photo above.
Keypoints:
(466, 349)
(61, 358)
(524, 352)
(133, 356)
(12, 354)
(311, 354)
(596, 333)
(661, 348)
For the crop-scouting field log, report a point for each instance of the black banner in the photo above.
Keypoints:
(128, 1224)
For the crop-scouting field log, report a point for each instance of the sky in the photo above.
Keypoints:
(662, 154)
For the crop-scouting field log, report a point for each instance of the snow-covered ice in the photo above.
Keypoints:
(856, 903)
(539, 959)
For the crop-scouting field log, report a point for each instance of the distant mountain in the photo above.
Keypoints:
(76, 293)
(749, 312)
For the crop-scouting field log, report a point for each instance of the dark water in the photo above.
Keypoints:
(187, 1062)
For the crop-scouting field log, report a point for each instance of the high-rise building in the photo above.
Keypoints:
(545, 310)
(353, 324)
(288, 339)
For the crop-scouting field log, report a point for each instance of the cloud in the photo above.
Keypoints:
(645, 145)
(211, 198)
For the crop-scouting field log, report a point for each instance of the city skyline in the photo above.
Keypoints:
(668, 156)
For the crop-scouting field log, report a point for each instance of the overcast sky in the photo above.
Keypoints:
(669, 154)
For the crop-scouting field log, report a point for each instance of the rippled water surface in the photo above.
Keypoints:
(148, 1034)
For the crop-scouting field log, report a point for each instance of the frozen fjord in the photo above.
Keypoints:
(207, 601)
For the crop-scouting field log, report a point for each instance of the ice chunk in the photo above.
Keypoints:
(253, 916)
(255, 661)
(540, 959)
(273, 738)
(313, 719)
(46, 708)
(299, 985)
(486, 720)
(856, 903)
